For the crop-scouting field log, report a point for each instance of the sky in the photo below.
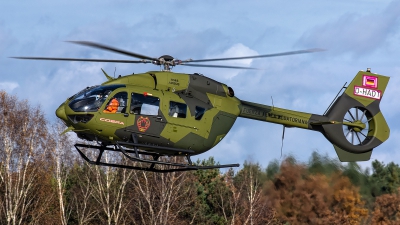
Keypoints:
(356, 35)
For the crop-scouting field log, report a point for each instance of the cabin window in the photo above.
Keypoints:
(117, 103)
(177, 109)
(144, 104)
(199, 112)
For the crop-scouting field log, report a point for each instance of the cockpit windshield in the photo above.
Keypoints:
(90, 100)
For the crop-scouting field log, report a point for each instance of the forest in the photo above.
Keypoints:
(44, 181)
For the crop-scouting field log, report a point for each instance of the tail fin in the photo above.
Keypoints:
(358, 125)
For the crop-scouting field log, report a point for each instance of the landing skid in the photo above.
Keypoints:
(135, 155)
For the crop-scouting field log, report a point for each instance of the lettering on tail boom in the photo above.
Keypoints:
(254, 112)
(288, 118)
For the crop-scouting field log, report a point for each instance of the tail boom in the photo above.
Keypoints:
(288, 118)
(354, 123)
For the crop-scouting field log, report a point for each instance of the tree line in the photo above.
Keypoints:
(44, 181)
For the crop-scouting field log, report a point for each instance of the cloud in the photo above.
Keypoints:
(8, 86)
(236, 50)
(354, 33)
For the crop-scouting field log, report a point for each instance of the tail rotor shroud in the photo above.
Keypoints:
(358, 123)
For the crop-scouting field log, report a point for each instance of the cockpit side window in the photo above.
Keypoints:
(199, 112)
(90, 100)
(117, 103)
(177, 109)
(144, 104)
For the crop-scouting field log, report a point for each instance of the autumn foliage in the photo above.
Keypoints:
(44, 181)
(304, 198)
(387, 209)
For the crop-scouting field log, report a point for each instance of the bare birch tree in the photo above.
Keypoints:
(235, 196)
(109, 189)
(23, 153)
(159, 198)
(247, 194)
(63, 157)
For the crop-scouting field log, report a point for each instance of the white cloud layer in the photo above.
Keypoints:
(8, 86)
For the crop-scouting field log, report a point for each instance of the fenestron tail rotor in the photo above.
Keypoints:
(356, 125)
(166, 61)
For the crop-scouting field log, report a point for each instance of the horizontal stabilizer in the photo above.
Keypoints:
(345, 156)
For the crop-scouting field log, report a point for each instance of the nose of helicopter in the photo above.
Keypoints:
(60, 112)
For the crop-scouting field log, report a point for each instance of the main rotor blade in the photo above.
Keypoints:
(85, 60)
(219, 66)
(112, 49)
(259, 56)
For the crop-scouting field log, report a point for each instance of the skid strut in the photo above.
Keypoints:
(134, 155)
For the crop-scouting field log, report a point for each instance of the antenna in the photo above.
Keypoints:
(114, 71)
(344, 87)
(283, 136)
(272, 103)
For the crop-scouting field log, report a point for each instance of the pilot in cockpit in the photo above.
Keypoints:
(112, 106)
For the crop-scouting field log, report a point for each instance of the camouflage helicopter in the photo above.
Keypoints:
(161, 113)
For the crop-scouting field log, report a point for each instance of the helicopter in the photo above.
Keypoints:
(150, 115)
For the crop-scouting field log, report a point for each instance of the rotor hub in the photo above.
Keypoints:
(167, 62)
(357, 126)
